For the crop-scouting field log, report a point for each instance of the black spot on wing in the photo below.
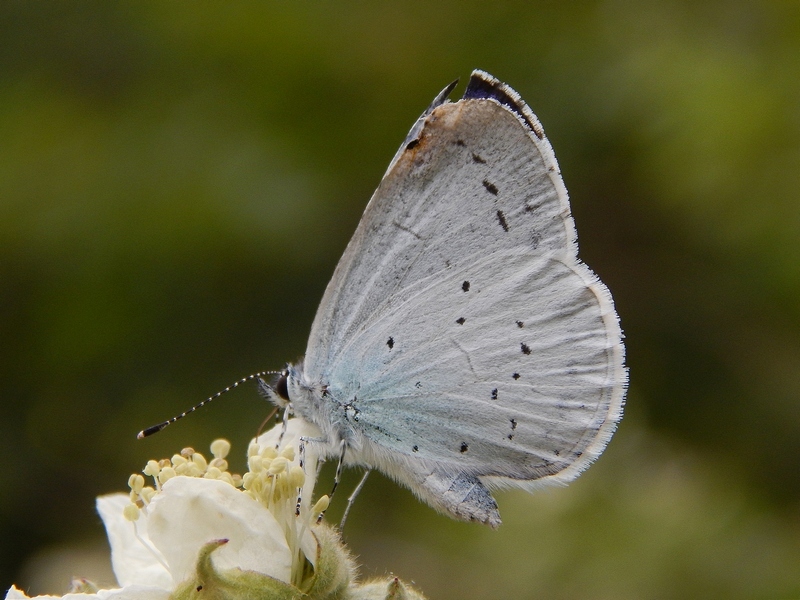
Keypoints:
(513, 424)
(490, 187)
(520, 324)
(390, 343)
(501, 218)
(460, 143)
(525, 348)
(465, 286)
(464, 447)
(415, 448)
(515, 376)
(402, 227)
(478, 159)
(461, 320)
(494, 394)
(412, 144)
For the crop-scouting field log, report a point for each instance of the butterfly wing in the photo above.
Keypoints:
(467, 341)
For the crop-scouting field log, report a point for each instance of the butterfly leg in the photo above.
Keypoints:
(318, 460)
(337, 478)
(286, 412)
(352, 498)
(302, 461)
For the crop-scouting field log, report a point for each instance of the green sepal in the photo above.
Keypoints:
(335, 567)
(329, 581)
(209, 583)
(381, 589)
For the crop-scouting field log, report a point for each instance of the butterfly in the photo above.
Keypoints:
(461, 346)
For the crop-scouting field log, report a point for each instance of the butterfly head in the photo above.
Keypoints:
(277, 391)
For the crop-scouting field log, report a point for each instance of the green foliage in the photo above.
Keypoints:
(177, 182)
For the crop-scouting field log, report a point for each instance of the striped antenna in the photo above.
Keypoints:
(156, 428)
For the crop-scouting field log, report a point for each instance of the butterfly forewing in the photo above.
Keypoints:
(409, 234)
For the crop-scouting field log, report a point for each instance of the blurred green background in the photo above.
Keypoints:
(178, 180)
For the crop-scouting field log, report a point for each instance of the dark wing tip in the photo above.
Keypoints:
(482, 85)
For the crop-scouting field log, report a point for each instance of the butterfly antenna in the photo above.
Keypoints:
(156, 428)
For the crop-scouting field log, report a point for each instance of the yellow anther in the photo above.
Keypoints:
(195, 470)
(269, 452)
(213, 473)
(177, 459)
(147, 494)
(321, 505)
(279, 465)
(131, 512)
(255, 486)
(200, 461)
(184, 468)
(297, 477)
(187, 452)
(136, 482)
(152, 468)
(220, 448)
(238, 480)
(255, 463)
(166, 474)
(220, 463)
(288, 452)
(253, 449)
(164, 463)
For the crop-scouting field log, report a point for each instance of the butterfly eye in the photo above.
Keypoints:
(282, 386)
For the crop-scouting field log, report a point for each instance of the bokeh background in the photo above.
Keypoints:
(178, 180)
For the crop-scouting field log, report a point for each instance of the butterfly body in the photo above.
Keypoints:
(461, 345)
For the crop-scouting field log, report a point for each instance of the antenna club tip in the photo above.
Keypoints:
(140, 435)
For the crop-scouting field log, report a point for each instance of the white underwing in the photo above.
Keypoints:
(461, 346)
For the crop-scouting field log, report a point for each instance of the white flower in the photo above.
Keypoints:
(158, 551)
(201, 530)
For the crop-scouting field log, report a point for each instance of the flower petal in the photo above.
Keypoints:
(189, 512)
(134, 592)
(133, 558)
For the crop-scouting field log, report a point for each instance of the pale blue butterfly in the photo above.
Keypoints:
(461, 346)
